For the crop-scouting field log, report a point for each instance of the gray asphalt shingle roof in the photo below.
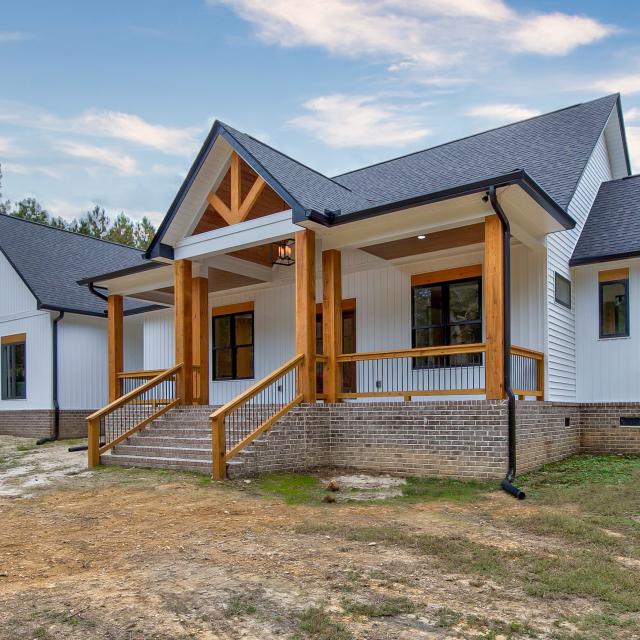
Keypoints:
(612, 229)
(51, 261)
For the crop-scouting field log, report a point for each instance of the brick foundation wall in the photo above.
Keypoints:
(28, 423)
(39, 423)
(542, 435)
(600, 430)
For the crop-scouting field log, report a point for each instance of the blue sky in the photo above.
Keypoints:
(107, 102)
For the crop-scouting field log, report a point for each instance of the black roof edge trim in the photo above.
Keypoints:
(99, 314)
(162, 251)
(625, 146)
(145, 266)
(612, 257)
(216, 130)
(515, 177)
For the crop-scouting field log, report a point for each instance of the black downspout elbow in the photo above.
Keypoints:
(507, 483)
(54, 383)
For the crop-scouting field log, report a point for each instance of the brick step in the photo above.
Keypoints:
(156, 440)
(148, 462)
(152, 451)
(174, 432)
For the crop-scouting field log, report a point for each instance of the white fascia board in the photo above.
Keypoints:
(242, 267)
(140, 282)
(250, 233)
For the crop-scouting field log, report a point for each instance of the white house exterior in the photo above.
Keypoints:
(258, 255)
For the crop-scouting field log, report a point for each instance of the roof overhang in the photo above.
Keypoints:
(577, 262)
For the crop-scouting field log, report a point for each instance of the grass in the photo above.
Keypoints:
(316, 623)
(239, 606)
(379, 607)
(427, 489)
(27, 446)
(293, 488)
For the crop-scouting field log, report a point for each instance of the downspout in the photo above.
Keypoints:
(507, 483)
(54, 383)
(97, 293)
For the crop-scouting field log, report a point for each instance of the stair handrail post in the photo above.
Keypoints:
(93, 442)
(218, 464)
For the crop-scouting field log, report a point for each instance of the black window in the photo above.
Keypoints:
(445, 314)
(233, 346)
(563, 291)
(614, 308)
(13, 358)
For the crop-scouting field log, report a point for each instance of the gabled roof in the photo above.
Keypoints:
(546, 154)
(612, 230)
(51, 261)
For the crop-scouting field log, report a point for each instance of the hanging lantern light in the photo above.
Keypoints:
(282, 252)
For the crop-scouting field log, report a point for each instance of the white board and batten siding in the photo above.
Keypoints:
(19, 314)
(608, 368)
(383, 311)
(561, 322)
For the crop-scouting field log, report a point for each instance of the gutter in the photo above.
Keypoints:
(507, 483)
(54, 383)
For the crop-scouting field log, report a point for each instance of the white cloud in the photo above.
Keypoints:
(502, 112)
(7, 146)
(628, 84)
(633, 140)
(101, 155)
(556, 34)
(29, 169)
(633, 114)
(105, 124)
(425, 33)
(12, 36)
(358, 121)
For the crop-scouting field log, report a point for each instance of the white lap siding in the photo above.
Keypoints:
(561, 322)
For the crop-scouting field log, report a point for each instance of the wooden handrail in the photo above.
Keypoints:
(320, 357)
(151, 373)
(257, 387)
(420, 352)
(527, 353)
(116, 404)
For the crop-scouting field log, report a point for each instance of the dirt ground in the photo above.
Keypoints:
(135, 554)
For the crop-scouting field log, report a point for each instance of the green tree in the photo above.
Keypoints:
(122, 231)
(94, 223)
(5, 205)
(143, 233)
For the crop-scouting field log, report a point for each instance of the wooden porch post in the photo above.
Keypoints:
(494, 308)
(331, 321)
(115, 339)
(200, 315)
(305, 251)
(183, 328)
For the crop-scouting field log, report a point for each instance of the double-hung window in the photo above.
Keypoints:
(447, 313)
(13, 367)
(233, 346)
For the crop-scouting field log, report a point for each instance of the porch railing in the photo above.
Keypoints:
(130, 380)
(527, 372)
(430, 371)
(131, 412)
(243, 419)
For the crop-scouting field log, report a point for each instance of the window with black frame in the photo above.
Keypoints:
(447, 313)
(13, 367)
(233, 346)
(614, 308)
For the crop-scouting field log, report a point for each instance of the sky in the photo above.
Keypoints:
(108, 102)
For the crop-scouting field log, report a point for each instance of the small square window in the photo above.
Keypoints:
(563, 291)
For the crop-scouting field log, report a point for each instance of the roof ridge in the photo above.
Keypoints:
(75, 233)
(473, 135)
(286, 155)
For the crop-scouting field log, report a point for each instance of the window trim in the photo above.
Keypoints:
(233, 346)
(446, 326)
(7, 342)
(559, 276)
(601, 285)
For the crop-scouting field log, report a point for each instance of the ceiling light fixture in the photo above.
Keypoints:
(422, 236)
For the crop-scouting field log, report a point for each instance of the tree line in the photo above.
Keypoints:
(94, 223)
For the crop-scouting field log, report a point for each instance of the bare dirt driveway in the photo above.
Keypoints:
(138, 554)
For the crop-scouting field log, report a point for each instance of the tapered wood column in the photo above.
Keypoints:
(331, 321)
(115, 344)
(305, 251)
(183, 328)
(494, 308)
(200, 348)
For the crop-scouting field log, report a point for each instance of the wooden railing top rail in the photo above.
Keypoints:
(149, 373)
(320, 357)
(116, 404)
(451, 350)
(528, 353)
(257, 387)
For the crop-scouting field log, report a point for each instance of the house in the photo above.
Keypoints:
(53, 333)
(455, 311)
